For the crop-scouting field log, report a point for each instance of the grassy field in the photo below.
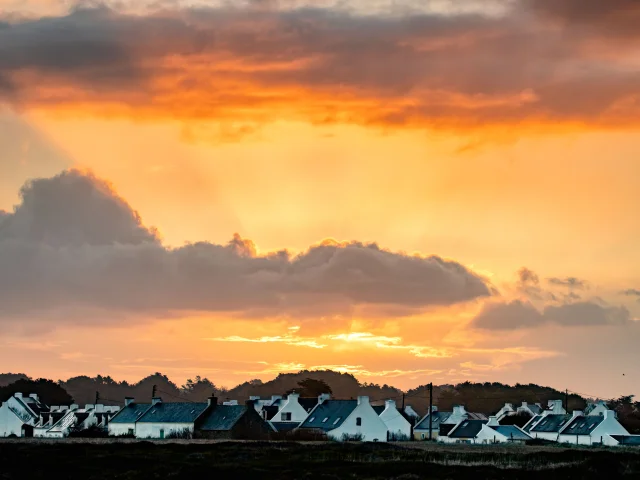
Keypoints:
(234, 460)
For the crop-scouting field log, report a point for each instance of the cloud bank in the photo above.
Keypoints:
(529, 62)
(73, 243)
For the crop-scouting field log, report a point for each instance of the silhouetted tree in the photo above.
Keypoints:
(310, 387)
(49, 392)
(198, 390)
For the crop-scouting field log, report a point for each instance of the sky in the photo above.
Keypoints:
(407, 191)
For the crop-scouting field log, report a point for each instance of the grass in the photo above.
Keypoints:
(281, 460)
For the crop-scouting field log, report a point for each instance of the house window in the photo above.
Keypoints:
(286, 416)
(131, 431)
(423, 436)
(359, 422)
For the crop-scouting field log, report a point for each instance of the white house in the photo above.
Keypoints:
(464, 431)
(556, 407)
(591, 429)
(597, 408)
(547, 426)
(347, 419)
(493, 432)
(19, 415)
(57, 423)
(162, 420)
(294, 410)
(398, 426)
(124, 422)
(444, 421)
(531, 409)
(506, 411)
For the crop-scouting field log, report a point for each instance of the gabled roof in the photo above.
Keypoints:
(511, 432)
(627, 439)
(284, 426)
(535, 409)
(56, 416)
(131, 413)
(551, 424)
(270, 411)
(583, 425)
(178, 412)
(467, 429)
(330, 414)
(438, 418)
(222, 417)
(308, 403)
(531, 423)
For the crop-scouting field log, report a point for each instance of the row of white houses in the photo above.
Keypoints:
(322, 416)
(27, 416)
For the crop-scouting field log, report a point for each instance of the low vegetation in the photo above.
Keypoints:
(287, 460)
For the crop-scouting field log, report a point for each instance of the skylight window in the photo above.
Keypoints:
(591, 426)
(312, 419)
(325, 419)
(337, 420)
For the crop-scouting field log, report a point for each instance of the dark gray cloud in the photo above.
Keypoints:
(632, 292)
(460, 70)
(74, 244)
(519, 315)
(570, 282)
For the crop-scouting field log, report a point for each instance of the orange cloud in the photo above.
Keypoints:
(243, 67)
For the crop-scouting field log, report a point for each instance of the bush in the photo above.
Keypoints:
(184, 434)
(352, 437)
(90, 432)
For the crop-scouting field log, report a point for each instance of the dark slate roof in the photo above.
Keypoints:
(334, 411)
(531, 423)
(284, 426)
(628, 439)
(511, 431)
(438, 418)
(536, 409)
(583, 425)
(308, 403)
(444, 429)
(476, 416)
(222, 417)
(467, 429)
(551, 423)
(178, 412)
(130, 413)
(270, 411)
(36, 406)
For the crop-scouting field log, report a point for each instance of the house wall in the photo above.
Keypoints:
(10, 424)
(396, 424)
(152, 429)
(298, 413)
(372, 428)
(117, 429)
(489, 435)
(423, 434)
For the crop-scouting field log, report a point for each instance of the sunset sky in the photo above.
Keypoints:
(409, 191)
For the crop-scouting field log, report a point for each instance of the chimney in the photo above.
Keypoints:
(74, 406)
(34, 396)
(389, 404)
(459, 410)
(100, 408)
(576, 413)
(156, 400)
(493, 421)
(128, 401)
(524, 404)
(214, 401)
(434, 409)
(294, 397)
(254, 397)
(17, 395)
(323, 397)
(363, 400)
(231, 402)
(609, 414)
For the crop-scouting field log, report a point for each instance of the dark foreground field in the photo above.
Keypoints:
(145, 460)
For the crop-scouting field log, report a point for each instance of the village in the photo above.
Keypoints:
(292, 417)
